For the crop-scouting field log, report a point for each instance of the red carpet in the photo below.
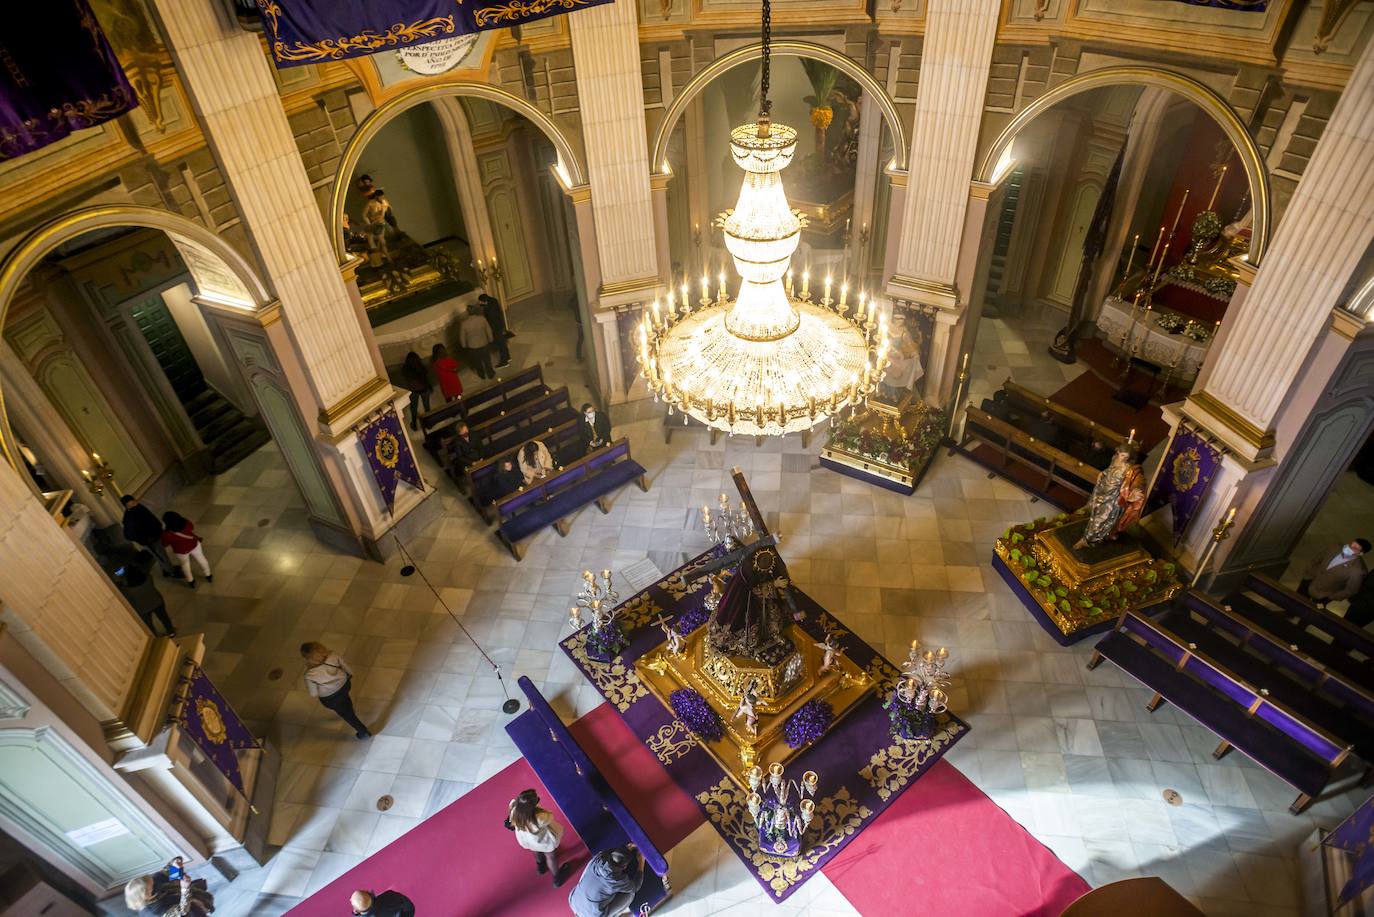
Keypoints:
(946, 850)
(1092, 397)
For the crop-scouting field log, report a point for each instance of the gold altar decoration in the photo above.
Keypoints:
(1081, 588)
(701, 669)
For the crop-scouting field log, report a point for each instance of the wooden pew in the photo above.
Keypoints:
(503, 389)
(1326, 637)
(1324, 699)
(551, 501)
(504, 432)
(1265, 730)
(1070, 420)
(479, 406)
(591, 805)
(1048, 466)
(564, 443)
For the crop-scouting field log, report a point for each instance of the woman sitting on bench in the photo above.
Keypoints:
(535, 461)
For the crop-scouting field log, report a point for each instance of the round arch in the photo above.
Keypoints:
(571, 172)
(786, 48)
(1201, 96)
(217, 269)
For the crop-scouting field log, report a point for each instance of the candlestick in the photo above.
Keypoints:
(844, 294)
(1130, 259)
(806, 284)
(1159, 240)
(826, 297)
(1215, 191)
(721, 297)
(1130, 437)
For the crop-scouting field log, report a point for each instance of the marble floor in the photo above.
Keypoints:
(1072, 755)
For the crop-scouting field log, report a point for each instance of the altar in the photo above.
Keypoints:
(422, 329)
(1148, 339)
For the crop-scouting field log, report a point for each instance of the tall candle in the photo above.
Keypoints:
(826, 297)
(844, 294)
(1130, 259)
(722, 287)
(806, 284)
(1159, 240)
(1217, 190)
(705, 287)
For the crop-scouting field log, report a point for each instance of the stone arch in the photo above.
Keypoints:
(790, 48)
(993, 166)
(221, 273)
(569, 170)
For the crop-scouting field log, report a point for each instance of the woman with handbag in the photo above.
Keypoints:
(329, 678)
(536, 831)
(182, 542)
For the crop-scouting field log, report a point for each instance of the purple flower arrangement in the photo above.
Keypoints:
(696, 714)
(906, 720)
(604, 644)
(809, 723)
(691, 619)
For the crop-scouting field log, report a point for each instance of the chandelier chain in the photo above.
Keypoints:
(765, 105)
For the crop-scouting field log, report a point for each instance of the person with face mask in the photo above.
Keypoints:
(1336, 573)
(595, 428)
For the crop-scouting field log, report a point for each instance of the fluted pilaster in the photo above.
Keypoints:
(610, 93)
(62, 608)
(230, 84)
(956, 56)
(1325, 232)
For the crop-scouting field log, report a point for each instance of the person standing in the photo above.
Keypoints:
(594, 430)
(180, 537)
(475, 335)
(328, 678)
(537, 831)
(158, 894)
(416, 379)
(141, 592)
(387, 904)
(535, 461)
(1336, 573)
(609, 883)
(446, 371)
(496, 319)
(142, 527)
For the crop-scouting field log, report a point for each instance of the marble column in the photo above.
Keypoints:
(63, 609)
(610, 93)
(955, 61)
(868, 174)
(467, 177)
(1316, 252)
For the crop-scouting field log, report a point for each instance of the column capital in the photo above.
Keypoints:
(933, 293)
(1240, 435)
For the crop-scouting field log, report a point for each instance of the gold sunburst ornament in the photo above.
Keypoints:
(772, 360)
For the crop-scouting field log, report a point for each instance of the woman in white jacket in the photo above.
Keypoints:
(329, 678)
(536, 831)
(535, 461)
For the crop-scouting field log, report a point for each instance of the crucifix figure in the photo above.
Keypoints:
(751, 615)
(675, 641)
(747, 703)
(832, 652)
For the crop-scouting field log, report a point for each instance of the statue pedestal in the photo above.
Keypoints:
(890, 446)
(699, 668)
(1076, 592)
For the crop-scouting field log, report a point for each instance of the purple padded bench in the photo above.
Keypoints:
(437, 425)
(1267, 732)
(508, 430)
(564, 443)
(553, 500)
(590, 804)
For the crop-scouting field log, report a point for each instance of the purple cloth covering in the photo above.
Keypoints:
(1185, 477)
(862, 768)
(57, 75)
(389, 455)
(1354, 835)
(214, 726)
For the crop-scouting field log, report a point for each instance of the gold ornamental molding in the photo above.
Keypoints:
(781, 47)
(569, 171)
(1247, 431)
(1187, 87)
(354, 399)
(19, 261)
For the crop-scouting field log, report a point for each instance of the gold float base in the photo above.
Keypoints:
(738, 748)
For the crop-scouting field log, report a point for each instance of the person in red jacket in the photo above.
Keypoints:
(184, 545)
(446, 371)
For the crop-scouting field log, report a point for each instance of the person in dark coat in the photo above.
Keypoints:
(475, 335)
(1336, 573)
(387, 904)
(609, 883)
(143, 528)
(142, 594)
(1360, 611)
(496, 318)
(416, 379)
(595, 428)
(507, 479)
(462, 450)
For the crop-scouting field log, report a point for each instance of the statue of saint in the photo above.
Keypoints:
(904, 370)
(1116, 500)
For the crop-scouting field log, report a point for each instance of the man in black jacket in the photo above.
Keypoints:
(143, 528)
(507, 479)
(387, 904)
(462, 450)
(594, 430)
(491, 308)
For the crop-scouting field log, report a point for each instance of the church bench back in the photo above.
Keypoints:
(563, 442)
(1058, 466)
(503, 388)
(1295, 606)
(1064, 417)
(523, 417)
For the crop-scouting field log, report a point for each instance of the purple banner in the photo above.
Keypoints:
(57, 75)
(389, 455)
(1356, 836)
(316, 31)
(1184, 478)
(214, 726)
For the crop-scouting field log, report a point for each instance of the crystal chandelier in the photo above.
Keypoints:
(773, 360)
